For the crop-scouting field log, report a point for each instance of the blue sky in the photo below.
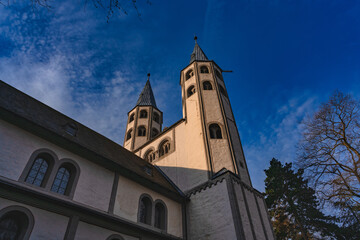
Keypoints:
(287, 57)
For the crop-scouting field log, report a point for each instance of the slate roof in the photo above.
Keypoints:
(28, 113)
(198, 54)
(146, 97)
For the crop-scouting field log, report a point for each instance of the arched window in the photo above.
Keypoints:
(156, 117)
(128, 135)
(189, 74)
(143, 114)
(164, 148)
(145, 209)
(150, 155)
(160, 215)
(39, 167)
(61, 182)
(141, 131)
(215, 131)
(204, 69)
(154, 132)
(218, 74)
(190, 91)
(131, 118)
(223, 91)
(207, 85)
(115, 237)
(15, 223)
(38, 172)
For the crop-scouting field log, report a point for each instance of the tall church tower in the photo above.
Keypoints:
(144, 120)
(207, 105)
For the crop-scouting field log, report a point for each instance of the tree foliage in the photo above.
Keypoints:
(330, 154)
(293, 206)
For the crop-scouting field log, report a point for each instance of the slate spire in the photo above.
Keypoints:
(146, 97)
(198, 54)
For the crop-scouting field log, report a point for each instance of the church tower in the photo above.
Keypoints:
(144, 120)
(207, 105)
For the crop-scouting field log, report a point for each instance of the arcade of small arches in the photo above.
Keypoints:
(144, 114)
(203, 70)
(163, 149)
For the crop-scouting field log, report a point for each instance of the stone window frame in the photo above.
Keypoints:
(141, 132)
(148, 152)
(189, 74)
(153, 203)
(221, 129)
(115, 237)
(190, 91)
(143, 113)
(25, 233)
(207, 82)
(202, 67)
(156, 117)
(129, 134)
(154, 130)
(52, 171)
(161, 144)
(131, 117)
(74, 169)
(145, 195)
(159, 201)
(51, 159)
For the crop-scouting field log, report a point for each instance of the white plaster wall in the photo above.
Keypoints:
(265, 216)
(255, 217)
(87, 231)
(127, 203)
(210, 215)
(94, 185)
(243, 212)
(47, 225)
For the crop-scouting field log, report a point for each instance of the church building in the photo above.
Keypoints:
(61, 180)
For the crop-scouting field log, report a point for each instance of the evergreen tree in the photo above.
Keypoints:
(293, 206)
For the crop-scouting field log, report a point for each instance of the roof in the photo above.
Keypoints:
(30, 114)
(146, 97)
(198, 54)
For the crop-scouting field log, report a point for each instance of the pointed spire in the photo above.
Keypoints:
(146, 97)
(198, 54)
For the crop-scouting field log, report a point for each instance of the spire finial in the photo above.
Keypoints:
(195, 38)
(148, 75)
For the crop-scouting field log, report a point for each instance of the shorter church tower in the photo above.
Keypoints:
(144, 120)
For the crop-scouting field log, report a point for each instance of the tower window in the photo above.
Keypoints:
(160, 215)
(191, 90)
(204, 69)
(128, 135)
(218, 74)
(141, 131)
(223, 91)
(145, 208)
(207, 85)
(143, 114)
(154, 132)
(164, 148)
(215, 131)
(156, 117)
(189, 74)
(131, 118)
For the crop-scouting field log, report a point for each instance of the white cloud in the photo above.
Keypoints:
(280, 135)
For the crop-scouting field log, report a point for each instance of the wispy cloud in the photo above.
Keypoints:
(279, 137)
